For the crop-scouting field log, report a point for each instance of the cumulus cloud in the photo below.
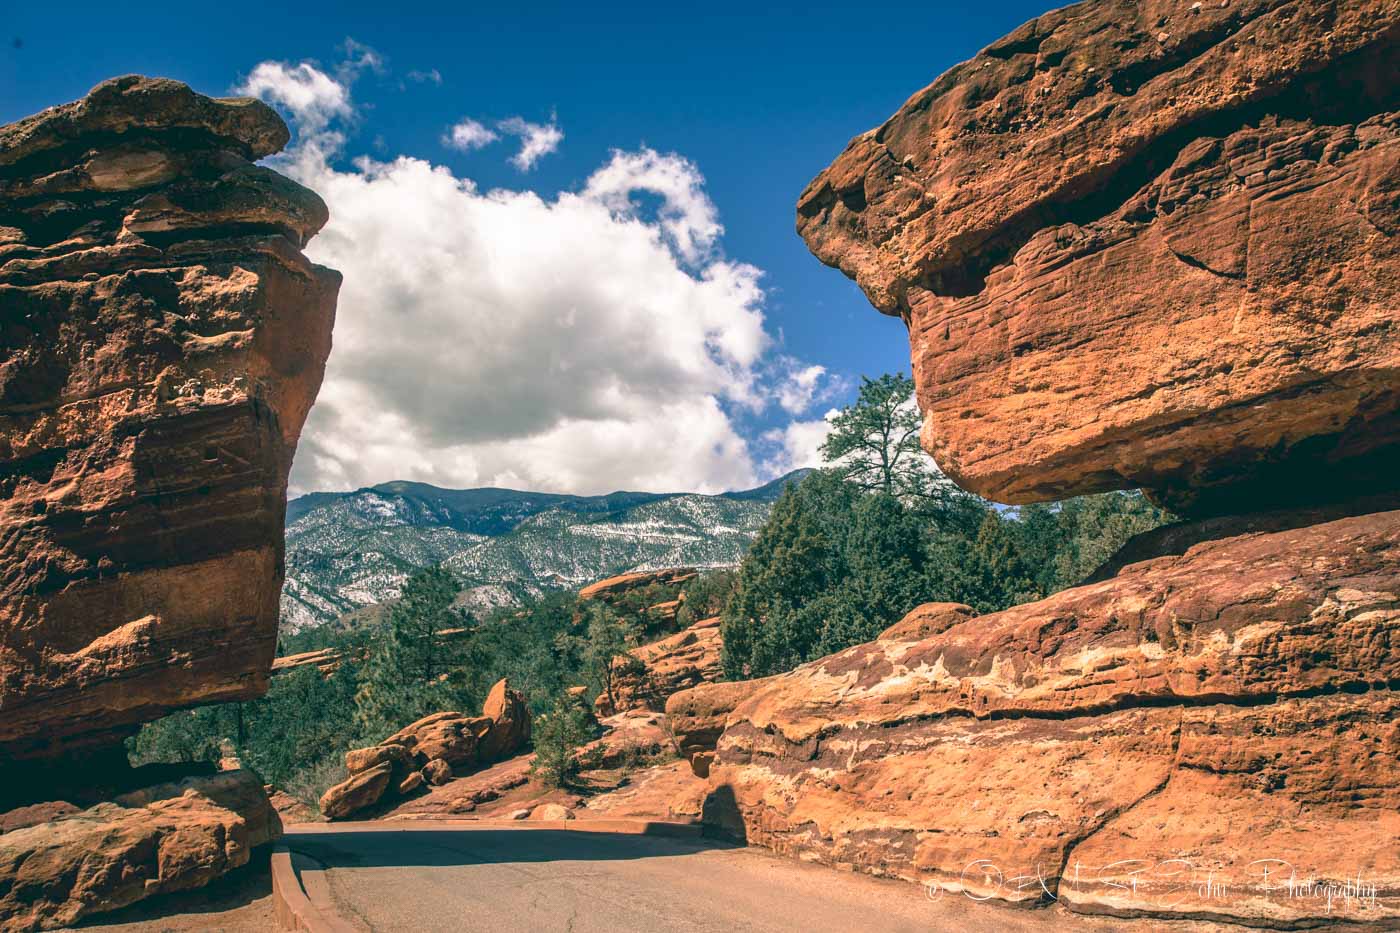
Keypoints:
(310, 96)
(467, 134)
(797, 445)
(688, 216)
(537, 140)
(580, 342)
(801, 386)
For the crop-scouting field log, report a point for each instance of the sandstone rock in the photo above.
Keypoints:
(1196, 713)
(362, 759)
(697, 718)
(613, 587)
(928, 619)
(357, 791)
(1141, 246)
(164, 338)
(34, 814)
(627, 740)
(510, 722)
(655, 671)
(523, 814)
(290, 809)
(551, 811)
(453, 737)
(437, 772)
(171, 837)
(411, 783)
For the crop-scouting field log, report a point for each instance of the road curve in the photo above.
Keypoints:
(506, 880)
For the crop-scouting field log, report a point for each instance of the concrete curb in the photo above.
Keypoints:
(620, 826)
(294, 909)
(308, 907)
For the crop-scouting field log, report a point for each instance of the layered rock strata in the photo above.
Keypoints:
(161, 340)
(1145, 245)
(170, 837)
(647, 677)
(1210, 716)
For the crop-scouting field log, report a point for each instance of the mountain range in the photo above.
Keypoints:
(350, 550)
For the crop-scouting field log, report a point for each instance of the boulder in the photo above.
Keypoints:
(551, 811)
(362, 759)
(509, 714)
(357, 791)
(411, 783)
(454, 737)
(1145, 245)
(651, 673)
(1137, 744)
(928, 619)
(437, 772)
(164, 338)
(170, 837)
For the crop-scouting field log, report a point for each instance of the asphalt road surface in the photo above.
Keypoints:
(539, 881)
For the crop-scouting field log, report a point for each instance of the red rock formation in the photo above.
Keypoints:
(613, 587)
(1229, 704)
(161, 340)
(1148, 245)
(433, 748)
(171, 837)
(655, 671)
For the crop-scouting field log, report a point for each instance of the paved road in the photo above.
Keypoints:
(542, 880)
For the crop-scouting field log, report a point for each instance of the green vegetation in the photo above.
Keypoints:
(852, 548)
(843, 555)
(559, 733)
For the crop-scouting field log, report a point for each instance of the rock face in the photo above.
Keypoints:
(1233, 703)
(1146, 245)
(171, 837)
(431, 751)
(613, 587)
(655, 671)
(161, 340)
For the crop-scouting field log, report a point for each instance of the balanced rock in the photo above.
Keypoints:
(1185, 718)
(163, 339)
(171, 837)
(1145, 245)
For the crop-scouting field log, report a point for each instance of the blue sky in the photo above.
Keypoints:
(753, 99)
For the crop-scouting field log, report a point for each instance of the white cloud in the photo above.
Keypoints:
(310, 96)
(801, 386)
(537, 140)
(797, 445)
(577, 343)
(430, 76)
(467, 134)
(688, 216)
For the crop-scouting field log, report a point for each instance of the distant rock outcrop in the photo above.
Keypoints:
(432, 750)
(647, 677)
(614, 587)
(1146, 245)
(161, 340)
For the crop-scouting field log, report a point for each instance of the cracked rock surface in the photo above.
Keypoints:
(162, 338)
(1145, 245)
